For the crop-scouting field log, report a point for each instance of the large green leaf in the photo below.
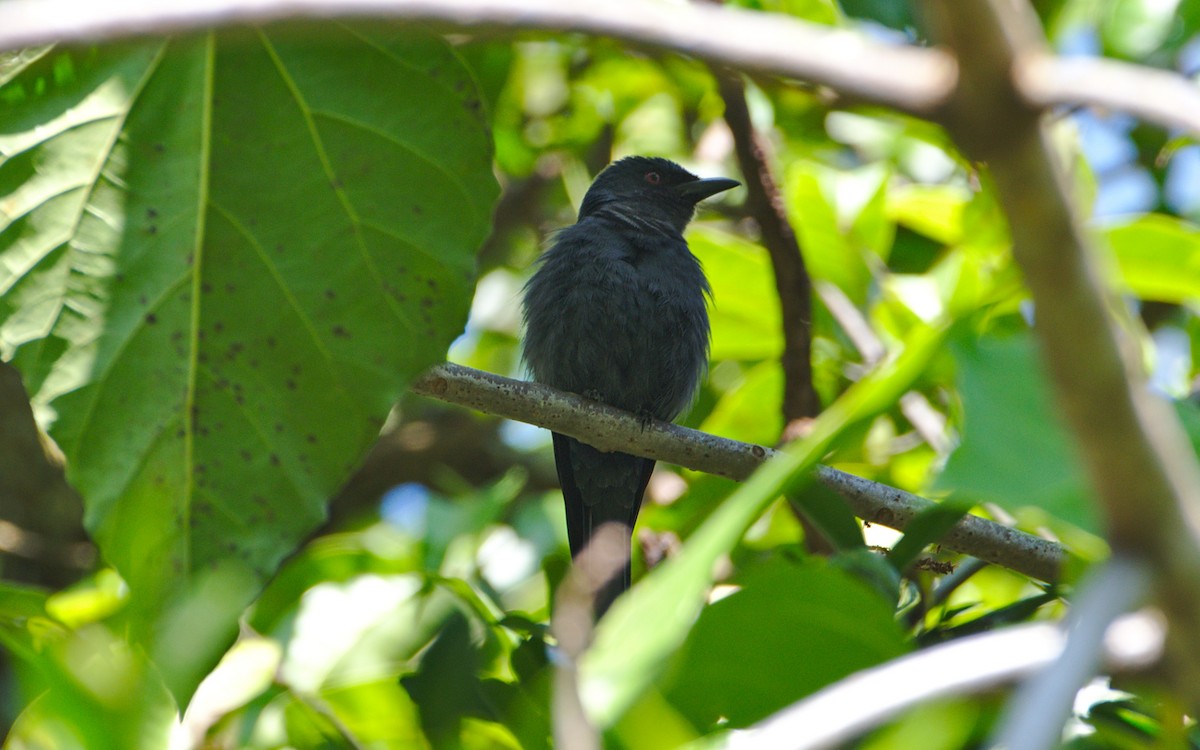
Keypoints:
(221, 260)
(823, 626)
(1014, 451)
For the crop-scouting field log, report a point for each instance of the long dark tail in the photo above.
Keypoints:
(600, 488)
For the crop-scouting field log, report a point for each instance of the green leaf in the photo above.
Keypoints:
(925, 529)
(93, 690)
(740, 665)
(1158, 257)
(828, 252)
(936, 211)
(750, 411)
(1014, 450)
(832, 516)
(222, 258)
(745, 305)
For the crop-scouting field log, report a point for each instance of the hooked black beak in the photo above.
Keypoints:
(698, 190)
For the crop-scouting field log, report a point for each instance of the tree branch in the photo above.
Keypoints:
(1036, 714)
(907, 78)
(1163, 97)
(611, 429)
(910, 79)
(1139, 461)
(844, 710)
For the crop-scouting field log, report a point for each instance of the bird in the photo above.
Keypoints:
(616, 311)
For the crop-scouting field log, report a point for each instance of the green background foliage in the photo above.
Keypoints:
(224, 257)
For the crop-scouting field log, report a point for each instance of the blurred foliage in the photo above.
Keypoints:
(420, 619)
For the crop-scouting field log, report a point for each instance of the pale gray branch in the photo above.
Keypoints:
(1159, 96)
(907, 78)
(846, 709)
(1036, 714)
(608, 428)
(911, 79)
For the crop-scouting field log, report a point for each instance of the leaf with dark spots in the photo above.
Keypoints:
(232, 268)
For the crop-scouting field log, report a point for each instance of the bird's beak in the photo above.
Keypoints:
(698, 190)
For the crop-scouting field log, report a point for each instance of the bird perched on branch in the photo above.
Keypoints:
(616, 313)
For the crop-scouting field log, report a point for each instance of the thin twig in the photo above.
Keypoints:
(610, 429)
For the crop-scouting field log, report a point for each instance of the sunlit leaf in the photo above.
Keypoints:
(745, 306)
(222, 259)
(1158, 257)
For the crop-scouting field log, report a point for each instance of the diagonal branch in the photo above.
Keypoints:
(1139, 461)
(608, 428)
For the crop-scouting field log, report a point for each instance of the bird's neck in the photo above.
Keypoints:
(629, 218)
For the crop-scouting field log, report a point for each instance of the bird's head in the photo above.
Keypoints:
(643, 187)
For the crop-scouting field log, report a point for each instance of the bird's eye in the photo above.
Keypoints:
(653, 178)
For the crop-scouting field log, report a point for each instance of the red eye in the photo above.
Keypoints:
(653, 178)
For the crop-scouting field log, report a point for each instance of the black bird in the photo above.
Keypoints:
(616, 313)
